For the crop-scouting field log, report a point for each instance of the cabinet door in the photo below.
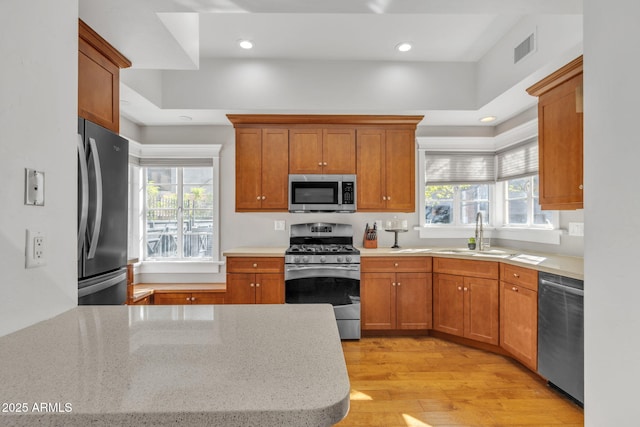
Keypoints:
(207, 298)
(560, 147)
(275, 164)
(248, 169)
(174, 298)
(519, 323)
(269, 288)
(413, 301)
(370, 147)
(399, 169)
(481, 310)
(241, 288)
(339, 151)
(378, 299)
(98, 87)
(448, 304)
(305, 151)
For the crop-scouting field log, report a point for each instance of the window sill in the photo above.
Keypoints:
(150, 266)
(506, 233)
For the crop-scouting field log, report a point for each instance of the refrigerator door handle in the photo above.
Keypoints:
(97, 287)
(84, 195)
(95, 234)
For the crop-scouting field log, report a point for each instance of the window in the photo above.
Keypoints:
(174, 195)
(179, 213)
(522, 207)
(457, 204)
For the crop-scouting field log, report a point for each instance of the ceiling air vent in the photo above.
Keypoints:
(524, 49)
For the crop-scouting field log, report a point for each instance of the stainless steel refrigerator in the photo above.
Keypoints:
(102, 215)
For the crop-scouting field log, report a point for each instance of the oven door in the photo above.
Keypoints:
(335, 284)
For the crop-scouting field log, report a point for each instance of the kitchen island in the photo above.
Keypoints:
(235, 365)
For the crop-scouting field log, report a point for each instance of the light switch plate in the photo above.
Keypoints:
(33, 187)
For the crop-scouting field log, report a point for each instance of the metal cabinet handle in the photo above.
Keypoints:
(258, 198)
(257, 285)
(393, 284)
(324, 164)
(459, 288)
(255, 265)
(251, 284)
(264, 197)
(384, 197)
(466, 289)
(516, 275)
(388, 197)
(399, 283)
(319, 163)
(395, 265)
(514, 289)
(581, 187)
(188, 298)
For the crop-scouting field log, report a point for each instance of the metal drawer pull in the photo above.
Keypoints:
(514, 289)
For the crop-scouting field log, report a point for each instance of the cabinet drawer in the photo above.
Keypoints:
(466, 267)
(255, 265)
(207, 298)
(519, 276)
(395, 264)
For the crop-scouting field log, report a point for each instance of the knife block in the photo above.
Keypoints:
(369, 244)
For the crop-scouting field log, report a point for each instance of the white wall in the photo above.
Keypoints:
(612, 212)
(38, 124)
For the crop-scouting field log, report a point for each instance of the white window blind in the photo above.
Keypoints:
(458, 168)
(175, 162)
(518, 161)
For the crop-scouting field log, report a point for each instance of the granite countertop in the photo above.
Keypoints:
(233, 365)
(551, 263)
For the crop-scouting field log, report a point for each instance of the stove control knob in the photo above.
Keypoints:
(348, 258)
(305, 259)
(296, 258)
(323, 258)
(339, 259)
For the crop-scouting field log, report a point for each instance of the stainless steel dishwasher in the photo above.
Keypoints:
(561, 333)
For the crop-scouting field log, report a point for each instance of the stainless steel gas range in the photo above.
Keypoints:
(322, 266)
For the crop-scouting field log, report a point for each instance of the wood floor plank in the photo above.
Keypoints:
(428, 382)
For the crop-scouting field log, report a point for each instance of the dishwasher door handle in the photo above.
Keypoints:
(564, 288)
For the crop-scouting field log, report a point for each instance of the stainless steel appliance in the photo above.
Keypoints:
(322, 193)
(322, 266)
(561, 333)
(103, 159)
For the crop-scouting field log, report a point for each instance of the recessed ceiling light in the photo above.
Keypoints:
(403, 47)
(185, 118)
(488, 119)
(245, 44)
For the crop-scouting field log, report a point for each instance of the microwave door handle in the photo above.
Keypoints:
(84, 195)
(95, 234)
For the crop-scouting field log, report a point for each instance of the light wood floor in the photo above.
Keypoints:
(425, 381)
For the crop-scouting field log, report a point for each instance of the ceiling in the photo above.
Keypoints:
(182, 34)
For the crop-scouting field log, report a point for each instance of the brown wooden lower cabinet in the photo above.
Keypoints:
(467, 307)
(148, 300)
(519, 314)
(255, 288)
(396, 293)
(177, 298)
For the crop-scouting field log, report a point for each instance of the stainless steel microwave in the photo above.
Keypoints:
(322, 193)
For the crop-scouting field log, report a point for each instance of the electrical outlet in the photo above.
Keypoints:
(576, 229)
(35, 249)
(279, 225)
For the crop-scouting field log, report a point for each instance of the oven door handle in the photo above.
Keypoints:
(350, 271)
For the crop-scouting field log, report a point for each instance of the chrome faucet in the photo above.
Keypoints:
(479, 232)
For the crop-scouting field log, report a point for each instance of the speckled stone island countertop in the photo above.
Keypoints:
(199, 365)
(551, 263)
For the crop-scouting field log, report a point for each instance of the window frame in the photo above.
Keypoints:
(181, 154)
(495, 229)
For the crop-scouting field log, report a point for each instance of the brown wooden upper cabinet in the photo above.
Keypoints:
(560, 143)
(99, 66)
(322, 151)
(386, 170)
(261, 169)
(379, 149)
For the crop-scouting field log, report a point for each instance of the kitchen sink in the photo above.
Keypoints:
(491, 253)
